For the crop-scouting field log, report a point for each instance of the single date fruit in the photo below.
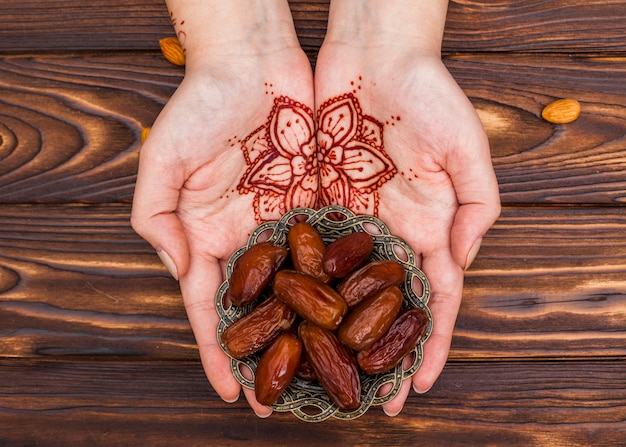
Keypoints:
(371, 319)
(310, 298)
(400, 339)
(258, 328)
(276, 368)
(253, 271)
(307, 250)
(334, 365)
(305, 370)
(347, 253)
(370, 279)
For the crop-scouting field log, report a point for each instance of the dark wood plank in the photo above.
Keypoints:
(95, 345)
(537, 26)
(526, 25)
(310, 19)
(547, 282)
(538, 162)
(77, 281)
(70, 126)
(66, 25)
(165, 404)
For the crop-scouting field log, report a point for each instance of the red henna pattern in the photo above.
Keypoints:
(353, 163)
(282, 168)
(284, 165)
(182, 35)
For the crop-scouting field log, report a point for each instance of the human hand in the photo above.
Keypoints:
(397, 138)
(231, 148)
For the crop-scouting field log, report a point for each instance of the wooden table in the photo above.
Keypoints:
(95, 347)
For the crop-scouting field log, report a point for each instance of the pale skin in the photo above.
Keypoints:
(187, 202)
(439, 147)
(184, 203)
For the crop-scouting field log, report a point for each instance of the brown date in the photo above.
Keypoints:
(369, 321)
(307, 250)
(370, 279)
(310, 298)
(258, 328)
(347, 253)
(305, 370)
(334, 365)
(276, 368)
(253, 271)
(400, 339)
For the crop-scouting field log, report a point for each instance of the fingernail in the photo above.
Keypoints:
(472, 253)
(168, 263)
(421, 391)
(265, 415)
(231, 401)
(392, 413)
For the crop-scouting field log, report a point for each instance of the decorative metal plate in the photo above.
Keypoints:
(307, 400)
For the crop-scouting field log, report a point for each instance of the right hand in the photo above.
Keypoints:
(187, 203)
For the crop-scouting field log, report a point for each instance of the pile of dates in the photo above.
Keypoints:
(331, 314)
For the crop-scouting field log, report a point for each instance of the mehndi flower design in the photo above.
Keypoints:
(287, 168)
(352, 161)
(282, 162)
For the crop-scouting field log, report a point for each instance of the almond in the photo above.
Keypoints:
(561, 111)
(144, 134)
(172, 50)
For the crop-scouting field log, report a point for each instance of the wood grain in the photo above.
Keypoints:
(70, 126)
(77, 281)
(95, 345)
(548, 282)
(472, 26)
(564, 404)
(538, 162)
(535, 26)
(66, 25)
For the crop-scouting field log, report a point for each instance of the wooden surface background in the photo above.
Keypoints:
(95, 347)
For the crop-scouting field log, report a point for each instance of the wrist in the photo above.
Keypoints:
(214, 29)
(416, 24)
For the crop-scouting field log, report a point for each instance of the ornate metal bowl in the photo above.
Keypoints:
(307, 400)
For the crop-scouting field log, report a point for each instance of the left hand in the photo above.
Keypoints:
(399, 139)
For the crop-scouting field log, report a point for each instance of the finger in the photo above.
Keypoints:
(446, 278)
(259, 409)
(395, 405)
(471, 222)
(153, 214)
(199, 286)
(476, 186)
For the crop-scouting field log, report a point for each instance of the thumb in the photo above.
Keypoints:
(478, 196)
(470, 225)
(153, 214)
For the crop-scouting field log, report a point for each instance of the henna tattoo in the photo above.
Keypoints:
(410, 176)
(282, 168)
(286, 168)
(356, 85)
(182, 35)
(353, 163)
